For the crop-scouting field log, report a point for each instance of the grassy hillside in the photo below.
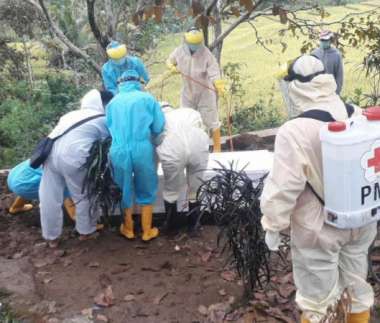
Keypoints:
(259, 65)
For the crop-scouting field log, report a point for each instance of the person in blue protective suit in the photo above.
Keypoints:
(134, 118)
(118, 63)
(24, 181)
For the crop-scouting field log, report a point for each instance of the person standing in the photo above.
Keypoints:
(134, 118)
(119, 61)
(331, 58)
(325, 259)
(202, 83)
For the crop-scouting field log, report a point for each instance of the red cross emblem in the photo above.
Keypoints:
(375, 161)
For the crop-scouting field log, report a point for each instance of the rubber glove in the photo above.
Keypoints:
(272, 240)
(220, 86)
(282, 72)
(172, 68)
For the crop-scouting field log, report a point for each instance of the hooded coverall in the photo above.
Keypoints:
(133, 117)
(24, 180)
(204, 69)
(185, 146)
(111, 72)
(325, 259)
(63, 167)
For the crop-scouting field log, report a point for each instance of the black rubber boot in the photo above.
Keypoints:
(192, 218)
(171, 218)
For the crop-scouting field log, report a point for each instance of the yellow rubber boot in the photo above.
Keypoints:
(69, 206)
(216, 140)
(20, 205)
(126, 228)
(362, 317)
(149, 233)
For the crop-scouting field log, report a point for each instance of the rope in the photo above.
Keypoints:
(168, 74)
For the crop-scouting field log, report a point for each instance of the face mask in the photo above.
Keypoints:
(325, 44)
(193, 48)
(120, 61)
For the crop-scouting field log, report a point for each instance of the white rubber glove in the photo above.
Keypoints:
(273, 240)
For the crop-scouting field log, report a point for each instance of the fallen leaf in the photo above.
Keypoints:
(217, 312)
(203, 310)
(67, 262)
(47, 280)
(228, 275)
(129, 298)
(41, 245)
(286, 290)
(102, 318)
(40, 263)
(177, 248)
(88, 312)
(105, 299)
(206, 256)
(222, 292)
(18, 255)
(157, 300)
(93, 264)
(59, 253)
(150, 269)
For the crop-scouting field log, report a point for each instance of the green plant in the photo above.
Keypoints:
(26, 116)
(256, 117)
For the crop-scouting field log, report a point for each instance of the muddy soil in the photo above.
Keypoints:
(114, 280)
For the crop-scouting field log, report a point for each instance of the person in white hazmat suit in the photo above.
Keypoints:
(325, 259)
(202, 82)
(184, 147)
(63, 166)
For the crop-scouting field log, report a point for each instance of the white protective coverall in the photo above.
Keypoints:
(63, 167)
(202, 67)
(184, 147)
(325, 259)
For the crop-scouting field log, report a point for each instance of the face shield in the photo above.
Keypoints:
(120, 61)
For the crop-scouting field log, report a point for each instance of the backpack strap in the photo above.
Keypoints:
(320, 115)
(350, 109)
(75, 125)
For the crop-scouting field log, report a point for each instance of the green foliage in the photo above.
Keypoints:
(26, 116)
(244, 119)
(256, 117)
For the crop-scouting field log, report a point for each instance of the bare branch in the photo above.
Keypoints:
(61, 36)
(100, 38)
(258, 38)
(235, 24)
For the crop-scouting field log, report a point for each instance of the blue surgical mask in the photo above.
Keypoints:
(193, 48)
(325, 44)
(120, 61)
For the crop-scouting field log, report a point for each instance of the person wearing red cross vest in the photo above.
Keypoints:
(326, 260)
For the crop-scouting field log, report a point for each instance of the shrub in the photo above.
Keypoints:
(28, 115)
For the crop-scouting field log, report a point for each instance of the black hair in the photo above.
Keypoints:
(106, 97)
(292, 75)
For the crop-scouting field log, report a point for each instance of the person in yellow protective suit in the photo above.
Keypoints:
(202, 82)
(325, 259)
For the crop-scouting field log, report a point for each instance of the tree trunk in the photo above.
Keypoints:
(102, 40)
(111, 19)
(28, 64)
(62, 37)
(217, 51)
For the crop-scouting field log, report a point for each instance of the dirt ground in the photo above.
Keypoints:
(167, 280)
